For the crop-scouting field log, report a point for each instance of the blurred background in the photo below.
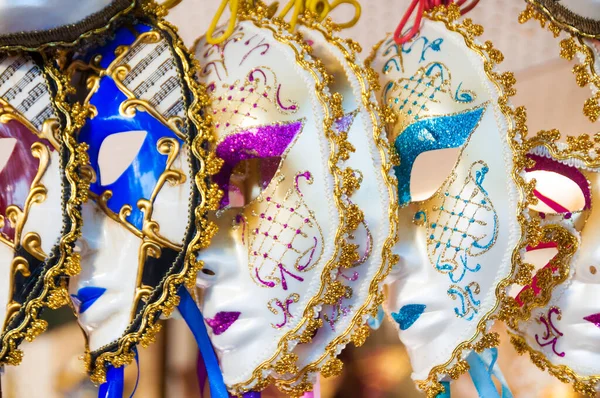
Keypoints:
(52, 367)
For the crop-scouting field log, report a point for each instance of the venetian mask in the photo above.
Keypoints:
(563, 330)
(39, 200)
(453, 136)
(145, 139)
(288, 218)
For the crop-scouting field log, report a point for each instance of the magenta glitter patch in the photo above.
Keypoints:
(222, 321)
(264, 142)
(594, 318)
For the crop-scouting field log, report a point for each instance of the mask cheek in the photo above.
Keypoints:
(227, 253)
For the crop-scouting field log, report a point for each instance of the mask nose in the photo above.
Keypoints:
(227, 254)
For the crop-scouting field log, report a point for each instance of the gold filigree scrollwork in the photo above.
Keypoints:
(37, 194)
(74, 157)
(150, 228)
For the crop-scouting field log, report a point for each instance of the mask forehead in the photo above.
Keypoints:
(457, 240)
(38, 225)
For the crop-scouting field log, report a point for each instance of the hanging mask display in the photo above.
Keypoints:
(288, 222)
(40, 189)
(149, 168)
(562, 334)
(345, 321)
(456, 137)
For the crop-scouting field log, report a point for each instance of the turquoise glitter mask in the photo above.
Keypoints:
(439, 132)
(457, 234)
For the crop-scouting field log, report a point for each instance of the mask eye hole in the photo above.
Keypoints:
(430, 170)
(117, 153)
(7, 146)
(249, 178)
(556, 193)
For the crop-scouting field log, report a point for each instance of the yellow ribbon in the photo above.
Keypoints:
(321, 8)
(168, 4)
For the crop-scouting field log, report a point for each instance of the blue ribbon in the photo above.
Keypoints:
(115, 380)
(193, 317)
(481, 370)
(446, 393)
(113, 388)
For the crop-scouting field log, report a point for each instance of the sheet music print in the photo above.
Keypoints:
(153, 77)
(22, 85)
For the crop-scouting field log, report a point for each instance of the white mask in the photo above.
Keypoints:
(144, 188)
(562, 333)
(458, 215)
(272, 267)
(38, 226)
(346, 321)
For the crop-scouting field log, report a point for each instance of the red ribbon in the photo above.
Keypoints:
(425, 5)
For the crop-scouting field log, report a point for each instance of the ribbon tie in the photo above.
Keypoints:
(425, 5)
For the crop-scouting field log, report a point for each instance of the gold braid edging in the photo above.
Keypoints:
(582, 385)
(357, 332)
(54, 293)
(204, 230)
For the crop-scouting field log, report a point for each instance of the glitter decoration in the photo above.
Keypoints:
(462, 223)
(222, 321)
(408, 315)
(448, 131)
(285, 224)
(344, 123)
(552, 334)
(594, 318)
(284, 307)
(546, 164)
(264, 142)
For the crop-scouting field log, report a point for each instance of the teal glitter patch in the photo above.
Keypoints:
(439, 132)
(408, 315)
